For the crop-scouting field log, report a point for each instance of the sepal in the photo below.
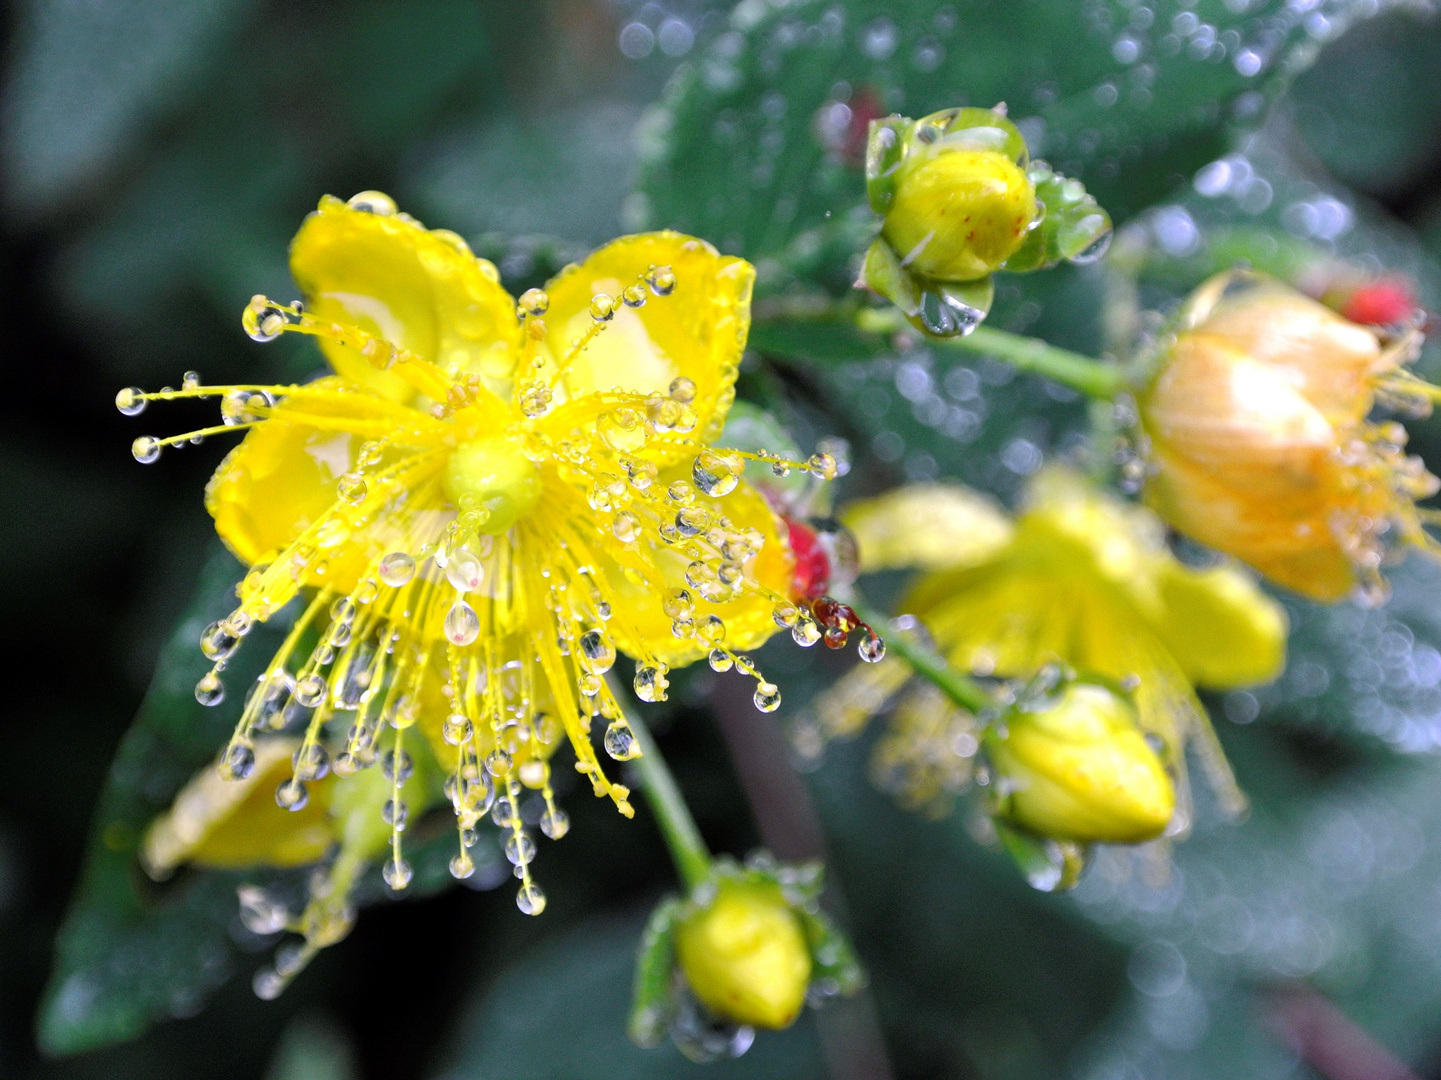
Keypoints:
(1071, 226)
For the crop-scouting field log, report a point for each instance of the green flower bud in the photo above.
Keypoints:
(745, 954)
(1081, 770)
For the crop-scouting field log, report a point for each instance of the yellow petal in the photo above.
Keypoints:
(421, 290)
(1220, 627)
(236, 823)
(281, 479)
(698, 331)
(641, 626)
(927, 526)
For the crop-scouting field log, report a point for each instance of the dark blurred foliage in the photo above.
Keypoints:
(158, 154)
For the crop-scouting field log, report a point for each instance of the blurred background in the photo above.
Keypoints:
(157, 156)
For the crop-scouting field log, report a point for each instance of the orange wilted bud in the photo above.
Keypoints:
(1261, 442)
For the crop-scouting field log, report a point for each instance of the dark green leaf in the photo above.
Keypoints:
(652, 1005)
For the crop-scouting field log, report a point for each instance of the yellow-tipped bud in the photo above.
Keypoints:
(958, 214)
(745, 955)
(1260, 444)
(1081, 770)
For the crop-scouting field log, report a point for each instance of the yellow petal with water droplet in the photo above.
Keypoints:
(417, 289)
(236, 823)
(697, 331)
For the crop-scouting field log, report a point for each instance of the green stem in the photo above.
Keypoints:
(1094, 378)
(924, 661)
(692, 858)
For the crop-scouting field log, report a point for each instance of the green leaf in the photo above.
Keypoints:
(758, 144)
(559, 1012)
(1075, 226)
(131, 952)
(652, 1004)
(86, 79)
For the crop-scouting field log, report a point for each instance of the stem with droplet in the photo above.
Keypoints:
(1095, 378)
(925, 661)
(687, 849)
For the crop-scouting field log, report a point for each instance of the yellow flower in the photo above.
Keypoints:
(484, 504)
(1079, 769)
(1260, 443)
(1079, 579)
(745, 954)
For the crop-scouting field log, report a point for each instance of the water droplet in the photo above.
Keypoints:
(387, 767)
(682, 389)
(620, 741)
(464, 572)
(661, 280)
(263, 319)
(691, 521)
(498, 762)
(555, 823)
(311, 762)
(373, 202)
(268, 984)
(238, 762)
(397, 568)
(767, 697)
(822, 466)
(462, 866)
(462, 624)
(395, 814)
(597, 654)
(534, 302)
(530, 899)
(871, 648)
(456, 729)
(131, 401)
(805, 632)
(210, 690)
(602, 307)
(712, 628)
(310, 691)
(785, 615)
(352, 488)
(1095, 249)
(626, 527)
(259, 912)
(218, 643)
(145, 449)
(292, 795)
(946, 316)
(650, 682)
(397, 873)
(520, 849)
(720, 660)
(716, 473)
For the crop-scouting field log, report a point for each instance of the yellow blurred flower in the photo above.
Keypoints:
(1078, 578)
(1259, 441)
(484, 504)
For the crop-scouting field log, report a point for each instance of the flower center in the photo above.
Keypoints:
(494, 478)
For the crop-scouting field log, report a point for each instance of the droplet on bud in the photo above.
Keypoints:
(372, 202)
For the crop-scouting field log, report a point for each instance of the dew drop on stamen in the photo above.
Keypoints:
(190, 380)
(602, 307)
(462, 624)
(145, 449)
(650, 682)
(238, 763)
(397, 568)
(620, 741)
(626, 527)
(530, 899)
(871, 648)
(597, 654)
(534, 302)
(464, 572)
(131, 401)
(720, 660)
(555, 823)
(634, 296)
(498, 762)
(461, 866)
(661, 280)
(387, 767)
(395, 813)
(717, 474)
(785, 615)
(397, 873)
(520, 849)
(767, 697)
(351, 487)
(210, 691)
(310, 691)
(292, 795)
(456, 729)
(805, 632)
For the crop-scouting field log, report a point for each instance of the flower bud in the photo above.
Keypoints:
(1081, 770)
(1260, 444)
(745, 955)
